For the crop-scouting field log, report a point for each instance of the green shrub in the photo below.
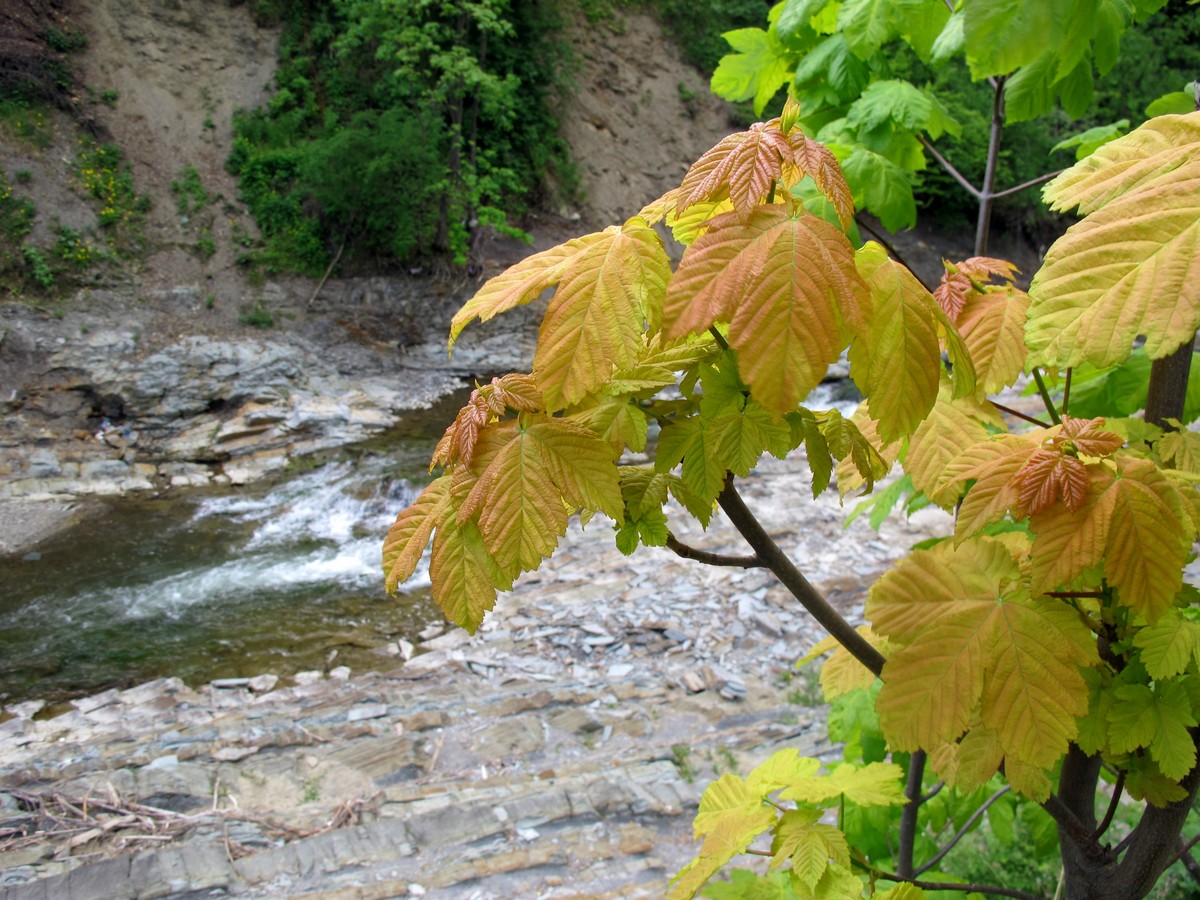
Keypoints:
(39, 266)
(258, 316)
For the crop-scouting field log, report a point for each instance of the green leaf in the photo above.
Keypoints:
(759, 68)
(687, 441)
(1158, 719)
(892, 101)
(1004, 35)
(465, 576)
(809, 845)
(1168, 646)
(950, 42)
(1031, 92)
(796, 16)
(867, 25)
(1174, 103)
(832, 62)
(881, 187)
(920, 23)
(1087, 142)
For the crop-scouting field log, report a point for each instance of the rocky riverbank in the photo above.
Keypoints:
(558, 753)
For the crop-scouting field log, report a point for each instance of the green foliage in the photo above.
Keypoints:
(26, 120)
(398, 131)
(257, 316)
(39, 267)
(65, 41)
(108, 180)
(190, 196)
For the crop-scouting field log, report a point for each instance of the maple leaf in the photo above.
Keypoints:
(746, 165)
(688, 441)
(951, 427)
(968, 279)
(1168, 646)
(596, 320)
(522, 498)
(731, 815)
(486, 404)
(786, 286)
(408, 537)
(464, 575)
(849, 478)
(970, 762)
(1181, 449)
(842, 672)
(1157, 719)
(809, 845)
(618, 421)
(875, 784)
(1147, 542)
(521, 283)
(973, 649)
(1129, 267)
(1047, 477)
(992, 465)
(1067, 542)
(848, 444)
(992, 326)
(896, 362)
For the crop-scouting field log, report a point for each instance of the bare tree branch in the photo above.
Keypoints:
(810, 598)
(709, 558)
(949, 167)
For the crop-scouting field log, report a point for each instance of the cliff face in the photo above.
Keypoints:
(168, 342)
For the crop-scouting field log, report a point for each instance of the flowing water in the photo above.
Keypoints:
(275, 578)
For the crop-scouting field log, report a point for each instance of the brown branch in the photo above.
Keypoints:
(1019, 415)
(908, 816)
(991, 889)
(1185, 856)
(712, 559)
(1027, 184)
(810, 598)
(1075, 828)
(949, 167)
(962, 832)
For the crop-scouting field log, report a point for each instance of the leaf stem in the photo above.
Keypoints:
(961, 833)
(709, 558)
(1067, 391)
(1008, 410)
(718, 337)
(810, 598)
(1045, 392)
(1064, 595)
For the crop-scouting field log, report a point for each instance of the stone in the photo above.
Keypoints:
(224, 684)
(233, 754)
(692, 682)
(340, 673)
(366, 711)
(262, 684)
(307, 677)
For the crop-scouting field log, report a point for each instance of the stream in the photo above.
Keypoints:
(274, 578)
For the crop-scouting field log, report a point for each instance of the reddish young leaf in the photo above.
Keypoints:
(786, 286)
(962, 281)
(1048, 476)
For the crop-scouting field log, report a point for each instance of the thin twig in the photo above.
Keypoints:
(1112, 807)
(1007, 410)
(933, 792)
(949, 167)
(1067, 391)
(1062, 595)
(950, 886)
(1185, 857)
(1028, 184)
(711, 559)
(962, 832)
